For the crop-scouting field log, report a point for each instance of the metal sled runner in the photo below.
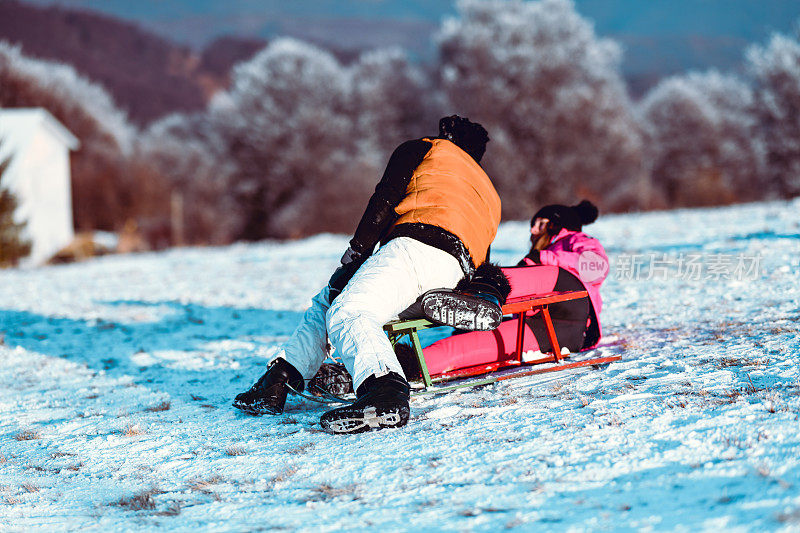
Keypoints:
(520, 307)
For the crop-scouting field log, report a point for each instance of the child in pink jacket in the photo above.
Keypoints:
(561, 258)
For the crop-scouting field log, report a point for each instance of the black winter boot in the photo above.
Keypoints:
(382, 402)
(268, 395)
(475, 304)
(461, 310)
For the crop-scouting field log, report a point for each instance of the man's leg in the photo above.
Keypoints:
(386, 284)
(531, 280)
(477, 348)
(389, 282)
(307, 348)
(476, 304)
(296, 362)
(485, 347)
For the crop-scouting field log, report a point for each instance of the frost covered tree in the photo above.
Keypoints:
(294, 147)
(287, 126)
(703, 141)
(183, 156)
(100, 190)
(551, 96)
(12, 244)
(392, 101)
(776, 69)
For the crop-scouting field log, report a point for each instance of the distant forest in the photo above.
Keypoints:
(284, 139)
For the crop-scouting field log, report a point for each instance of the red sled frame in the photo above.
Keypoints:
(520, 307)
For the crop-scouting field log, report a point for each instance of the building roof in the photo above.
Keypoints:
(19, 125)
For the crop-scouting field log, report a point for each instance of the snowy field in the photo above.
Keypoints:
(117, 377)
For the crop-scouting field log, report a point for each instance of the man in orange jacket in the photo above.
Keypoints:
(435, 213)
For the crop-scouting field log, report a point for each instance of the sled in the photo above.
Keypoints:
(501, 370)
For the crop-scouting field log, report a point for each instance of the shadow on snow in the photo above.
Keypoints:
(190, 349)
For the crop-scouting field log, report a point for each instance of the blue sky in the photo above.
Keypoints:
(674, 34)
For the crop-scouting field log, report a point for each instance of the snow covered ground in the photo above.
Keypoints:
(116, 378)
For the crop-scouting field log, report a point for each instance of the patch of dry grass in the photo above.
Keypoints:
(74, 468)
(163, 406)
(233, 451)
(325, 492)
(299, 450)
(202, 485)
(729, 362)
(27, 434)
(58, 455)
(131, 430)
(141, 501)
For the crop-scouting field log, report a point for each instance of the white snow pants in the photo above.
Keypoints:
(386, 284)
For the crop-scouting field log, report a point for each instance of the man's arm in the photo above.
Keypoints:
(389, 192)
(380, 213)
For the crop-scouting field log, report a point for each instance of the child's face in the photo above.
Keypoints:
(538, 228)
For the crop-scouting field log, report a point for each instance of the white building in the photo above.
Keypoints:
(38, 175)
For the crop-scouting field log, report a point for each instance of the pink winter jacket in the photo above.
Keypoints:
(584, 257)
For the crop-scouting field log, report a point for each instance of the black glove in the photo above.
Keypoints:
(351, 262)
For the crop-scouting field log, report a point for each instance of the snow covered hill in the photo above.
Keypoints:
(116, 378)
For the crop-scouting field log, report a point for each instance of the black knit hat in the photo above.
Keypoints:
(467, 135)
(568, 217)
